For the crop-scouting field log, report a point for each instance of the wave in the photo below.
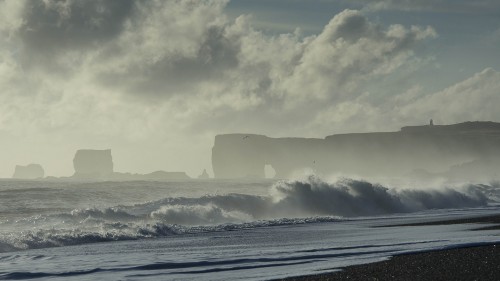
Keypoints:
(348, 197)
(108, 232)
(311, 200)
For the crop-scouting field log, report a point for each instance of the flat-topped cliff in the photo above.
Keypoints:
(434, 149)
(476, 128)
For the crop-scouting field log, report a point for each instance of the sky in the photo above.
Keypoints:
(155, 81)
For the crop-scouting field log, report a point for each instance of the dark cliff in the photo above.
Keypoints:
(445, 150)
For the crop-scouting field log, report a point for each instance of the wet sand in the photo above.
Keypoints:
(469, 263)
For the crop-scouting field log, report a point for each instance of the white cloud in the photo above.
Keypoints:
(10, 16)
(349, 51)
(475, 98)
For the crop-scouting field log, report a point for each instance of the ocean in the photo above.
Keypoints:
(227, 229)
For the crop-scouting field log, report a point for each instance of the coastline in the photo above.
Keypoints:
(469, 263)
(474, 262)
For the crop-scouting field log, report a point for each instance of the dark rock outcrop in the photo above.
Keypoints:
(435, 149)
(154, 176)
(204, 175)
(98, 165)
(162, 175)
(31, 171)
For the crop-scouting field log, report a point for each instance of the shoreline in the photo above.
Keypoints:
(466, 263)
(474, 262)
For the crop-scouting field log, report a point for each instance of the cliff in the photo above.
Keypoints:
(94, 164)
(434, 149)
(31, 171)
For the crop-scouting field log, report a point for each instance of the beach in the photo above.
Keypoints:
(474, 262)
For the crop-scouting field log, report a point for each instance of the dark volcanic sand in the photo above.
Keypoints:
(474, 263)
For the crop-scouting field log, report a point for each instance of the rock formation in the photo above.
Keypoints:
(98, 165)
(204, 175)
(93, 164)
(31, 171)
(162, 175)
(154, 176)
(435, 149)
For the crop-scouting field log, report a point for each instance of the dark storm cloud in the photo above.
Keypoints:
(51, 28)
(351, 28)
(149, 48)
(62, 24)
(216, 55)
(156, 50)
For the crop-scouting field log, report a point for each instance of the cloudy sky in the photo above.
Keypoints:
(155, 81)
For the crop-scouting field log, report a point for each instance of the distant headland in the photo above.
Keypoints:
(463, 151)
(92, 164)
(98, 164)
(469, 150)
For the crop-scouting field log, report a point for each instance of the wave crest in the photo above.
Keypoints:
(198, 215)
(348, 197)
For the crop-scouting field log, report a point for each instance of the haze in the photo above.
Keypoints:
(155, 81)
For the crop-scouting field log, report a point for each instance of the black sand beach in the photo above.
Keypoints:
(468, 263)
(473, 263)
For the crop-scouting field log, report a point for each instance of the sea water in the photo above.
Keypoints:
(225, 230)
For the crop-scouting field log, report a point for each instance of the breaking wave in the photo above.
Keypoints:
(289, 202)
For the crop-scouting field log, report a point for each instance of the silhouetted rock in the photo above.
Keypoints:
(31, 171)
(93, 164)
(435, 149)
(154, 176)
(204, 175)
(162, 175)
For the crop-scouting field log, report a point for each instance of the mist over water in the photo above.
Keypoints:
(183, 210)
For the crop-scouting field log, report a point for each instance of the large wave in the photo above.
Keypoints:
(348, 197)
(310, 200)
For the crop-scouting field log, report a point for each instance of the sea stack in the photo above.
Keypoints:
(204, 175)
(93, 164)
(31, 171)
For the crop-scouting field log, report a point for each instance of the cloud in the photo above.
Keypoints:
(54, 33)
(472, 99)
(349, 51)
(174, 73)
(10, 16)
